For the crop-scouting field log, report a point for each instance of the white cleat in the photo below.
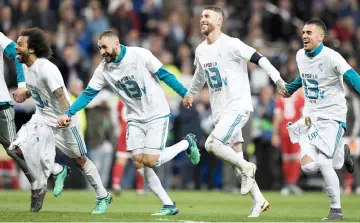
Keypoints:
(248, 178)
(259, 208)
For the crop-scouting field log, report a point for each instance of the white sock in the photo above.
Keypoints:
(92, 175)
(154, 183)
(255, 192)
(226, 153)
(33, 185)
(331, 180)
(170, 152)
(57, 169)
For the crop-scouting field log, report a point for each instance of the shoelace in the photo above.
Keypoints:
(162, 210)
(97, 204)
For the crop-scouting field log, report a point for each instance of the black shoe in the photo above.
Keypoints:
(37, 199)
(334, 214)
(348, 162)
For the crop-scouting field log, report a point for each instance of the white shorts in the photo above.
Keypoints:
(228, 128)
(37, 143)
(70, 141)
(321, 135)
(147, 138)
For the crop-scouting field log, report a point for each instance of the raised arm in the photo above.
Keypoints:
(8, 46)
(11, 53)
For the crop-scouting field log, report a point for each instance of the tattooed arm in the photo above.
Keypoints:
(63, 102)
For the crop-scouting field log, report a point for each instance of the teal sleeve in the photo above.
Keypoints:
(171, 81)
(295, 85)
(84, 99)
(11, 53)
(353, 78)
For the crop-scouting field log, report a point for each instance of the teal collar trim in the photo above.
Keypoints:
(122, 54)
(315, 52)
(5, 103)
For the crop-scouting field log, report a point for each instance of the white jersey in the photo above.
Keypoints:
(322, 80)
(4, 92)
(42, 79)
(134, 80)
(223, 65)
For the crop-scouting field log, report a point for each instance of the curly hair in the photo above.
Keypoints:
(37, 42)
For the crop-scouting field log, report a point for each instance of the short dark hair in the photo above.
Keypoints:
(37, 42)
(108, 33)
(318, 23)
(215, 9)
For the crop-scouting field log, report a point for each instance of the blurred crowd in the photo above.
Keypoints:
(170, 29)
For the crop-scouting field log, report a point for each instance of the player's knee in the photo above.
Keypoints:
(323, 161)
(310, 168)
(209, 144)
(138, 161)
(150, 160)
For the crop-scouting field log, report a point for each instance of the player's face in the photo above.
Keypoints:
(209, 21)
(108, 47)
(312, 37)
(22, 50)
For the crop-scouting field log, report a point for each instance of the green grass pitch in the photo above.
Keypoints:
(194, 206)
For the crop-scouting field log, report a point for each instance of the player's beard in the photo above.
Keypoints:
(208, 30)
(109, 57)
(23, 57)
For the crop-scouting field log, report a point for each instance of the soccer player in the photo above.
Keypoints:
(37, 139)
(319, 132)
(134, 74)
(221, 61)
(122, 157)
(7, 124)
(288, 110)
